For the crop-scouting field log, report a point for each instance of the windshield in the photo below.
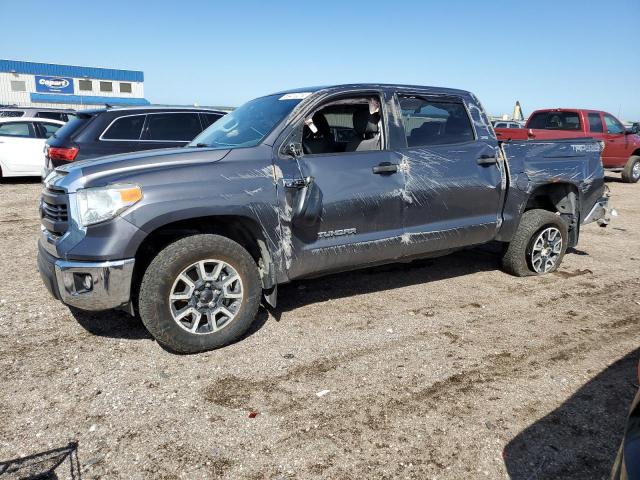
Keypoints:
(247, 125)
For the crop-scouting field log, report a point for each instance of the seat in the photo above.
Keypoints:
(425, 134)
(321, 141)
(457, 129)
(365, 125)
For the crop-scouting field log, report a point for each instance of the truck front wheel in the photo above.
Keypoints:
(538, 245)
(199, 293)
(631, 172)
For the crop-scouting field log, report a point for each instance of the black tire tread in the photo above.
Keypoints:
(514, 260)
(626, 172)
(154, 312)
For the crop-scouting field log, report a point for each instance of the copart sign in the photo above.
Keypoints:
(54, 84)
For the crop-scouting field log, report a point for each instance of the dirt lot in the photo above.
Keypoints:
(444, 368)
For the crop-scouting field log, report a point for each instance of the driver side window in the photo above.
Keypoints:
(343, 126)
(613, 125)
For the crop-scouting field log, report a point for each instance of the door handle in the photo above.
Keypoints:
(487, 159)
(385, 167)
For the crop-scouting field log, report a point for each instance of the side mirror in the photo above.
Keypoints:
(308, 207)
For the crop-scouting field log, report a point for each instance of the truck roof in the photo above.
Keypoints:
(364, 86)
(564, 109)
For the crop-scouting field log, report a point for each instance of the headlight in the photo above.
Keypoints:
(96, 205)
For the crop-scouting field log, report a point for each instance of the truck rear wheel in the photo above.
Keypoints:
(199, 293)
(631, 172)
(538, 245)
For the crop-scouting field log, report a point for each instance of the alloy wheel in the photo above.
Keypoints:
(206, 296)
(546, 250)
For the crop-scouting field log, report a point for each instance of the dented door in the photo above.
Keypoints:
(454, 178)
(360, 216)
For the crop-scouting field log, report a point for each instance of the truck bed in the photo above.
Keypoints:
(534, 164)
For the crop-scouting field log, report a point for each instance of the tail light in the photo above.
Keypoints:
(64, 154)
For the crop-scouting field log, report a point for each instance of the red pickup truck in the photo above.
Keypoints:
(621, 147)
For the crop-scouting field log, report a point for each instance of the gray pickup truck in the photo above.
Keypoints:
(302, 183)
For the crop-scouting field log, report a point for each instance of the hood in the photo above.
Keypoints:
(78, 174)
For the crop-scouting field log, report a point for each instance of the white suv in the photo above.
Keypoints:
(22, 145)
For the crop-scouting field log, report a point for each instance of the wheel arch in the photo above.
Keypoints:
(562, 198)
(242, 229)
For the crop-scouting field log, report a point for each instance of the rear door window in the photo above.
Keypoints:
(435, 122)
(555, 121)
(595, 123)
(17, 129)
(125, 128)
(176, 127)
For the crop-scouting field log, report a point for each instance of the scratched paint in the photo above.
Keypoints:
(248, 182)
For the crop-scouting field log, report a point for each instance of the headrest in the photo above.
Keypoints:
(321, 123)
(365, 122)
(456, 125)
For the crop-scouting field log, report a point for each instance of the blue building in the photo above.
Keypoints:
(68, 86)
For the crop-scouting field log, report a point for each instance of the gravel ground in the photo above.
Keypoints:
(445, 368)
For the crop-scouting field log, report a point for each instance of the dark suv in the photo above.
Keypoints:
(107, 131)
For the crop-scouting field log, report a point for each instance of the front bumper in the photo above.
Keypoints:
(87, 285)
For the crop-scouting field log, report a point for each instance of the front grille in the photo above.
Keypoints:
(54, 211)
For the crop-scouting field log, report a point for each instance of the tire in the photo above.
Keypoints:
(160, 284)
(631, 172)
(518, 258)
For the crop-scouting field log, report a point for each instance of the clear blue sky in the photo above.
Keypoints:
(544, 53)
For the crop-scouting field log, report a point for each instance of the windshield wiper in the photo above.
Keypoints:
(200, 145)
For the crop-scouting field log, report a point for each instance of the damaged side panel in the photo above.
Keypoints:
(569, 166)
(450, 200)
(243, 186)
